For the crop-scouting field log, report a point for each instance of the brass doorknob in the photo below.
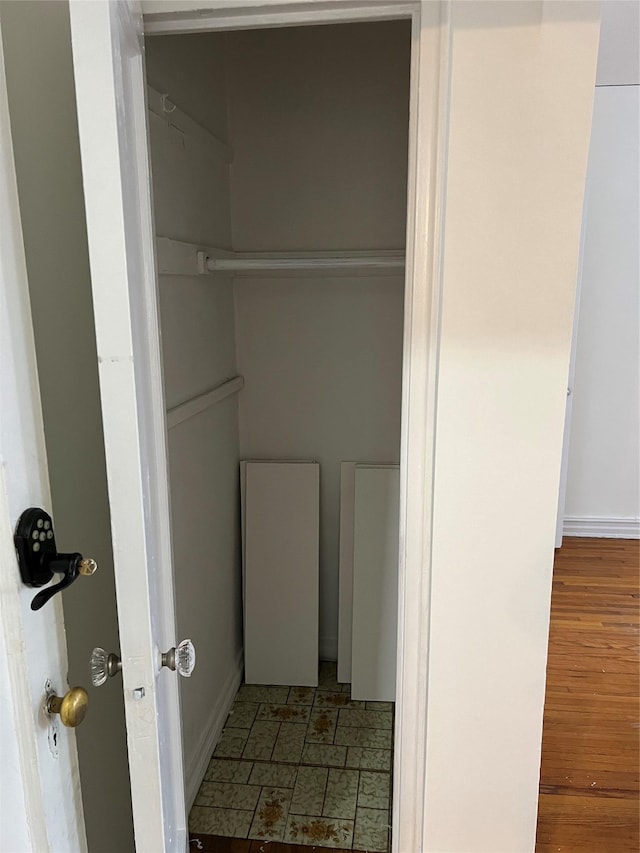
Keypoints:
(72, 707)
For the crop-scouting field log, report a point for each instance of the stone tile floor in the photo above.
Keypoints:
(302, 765)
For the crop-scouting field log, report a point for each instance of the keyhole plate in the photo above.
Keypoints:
(53, 722)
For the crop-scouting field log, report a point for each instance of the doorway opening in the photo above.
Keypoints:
(279, 160)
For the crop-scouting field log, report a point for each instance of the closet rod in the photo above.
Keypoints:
(198, 404)
(367, 261)
(178, 258)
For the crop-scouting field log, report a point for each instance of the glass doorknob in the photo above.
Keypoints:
(103, 665)
(181, 658)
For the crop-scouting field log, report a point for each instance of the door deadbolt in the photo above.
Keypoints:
(38, 556)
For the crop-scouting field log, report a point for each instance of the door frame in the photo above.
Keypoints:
(107, 48)
(428, 127)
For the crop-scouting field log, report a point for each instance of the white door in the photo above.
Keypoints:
(107, 44)
(39, 780)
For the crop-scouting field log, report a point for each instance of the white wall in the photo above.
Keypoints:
(191, 198)
(319, 122)
(43, 116)
(603, 482)
(618, 55)
(517, 156)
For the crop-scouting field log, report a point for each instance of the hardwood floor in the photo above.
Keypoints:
(590, 746)
(589, 788)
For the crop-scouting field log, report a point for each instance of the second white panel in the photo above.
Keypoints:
(375, 583)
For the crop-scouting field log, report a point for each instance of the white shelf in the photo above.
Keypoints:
(175, 119)
(193, 407)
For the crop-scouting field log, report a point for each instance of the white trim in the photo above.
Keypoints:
(606, 527)
(428, 136)
(202, 402)
(203, 16)
(174, 118)
(199, 761)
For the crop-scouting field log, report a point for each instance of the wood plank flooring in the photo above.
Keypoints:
(590, 746)
(589, 789)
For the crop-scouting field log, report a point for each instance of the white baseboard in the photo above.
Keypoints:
(328, 648)
(199, 761)
(610, 528)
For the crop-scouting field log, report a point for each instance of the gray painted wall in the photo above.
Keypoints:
(191, 69)
(319, 125)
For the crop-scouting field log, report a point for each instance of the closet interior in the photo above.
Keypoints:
(279, 164)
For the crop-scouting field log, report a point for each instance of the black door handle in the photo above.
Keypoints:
(38, 556)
